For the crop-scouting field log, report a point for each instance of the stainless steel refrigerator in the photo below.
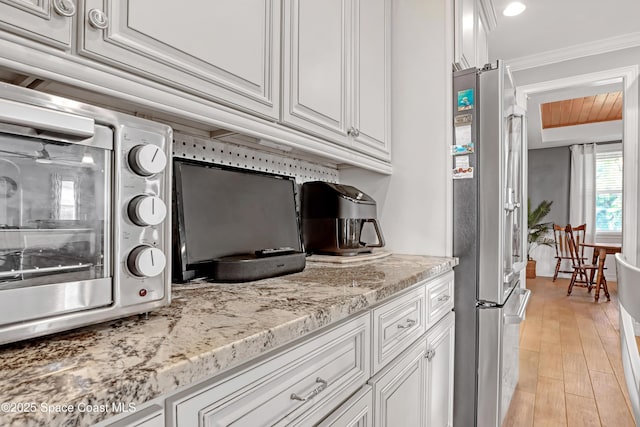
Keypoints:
(489, 237)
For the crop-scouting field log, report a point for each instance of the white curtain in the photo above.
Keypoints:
(582, 200)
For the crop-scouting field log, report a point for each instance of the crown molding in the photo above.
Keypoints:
(574, 52)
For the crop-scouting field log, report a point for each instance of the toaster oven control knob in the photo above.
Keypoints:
(146, 261)
(147, 210)
(147, 159)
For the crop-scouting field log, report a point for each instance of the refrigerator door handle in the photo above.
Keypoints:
(524, 302)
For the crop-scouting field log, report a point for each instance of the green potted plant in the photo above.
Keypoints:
(538, 232)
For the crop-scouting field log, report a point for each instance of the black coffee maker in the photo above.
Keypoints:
(333, 217)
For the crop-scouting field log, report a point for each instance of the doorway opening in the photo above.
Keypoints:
(625, 80)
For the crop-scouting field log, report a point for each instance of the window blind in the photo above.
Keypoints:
(609, 191)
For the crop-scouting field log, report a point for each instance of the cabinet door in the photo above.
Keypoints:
(400, 396)
(223, 50)
(316, 52)
(355, 412)
(47, 21)
(466, 32)
(440, 348)
(482, 47)
(371, 77)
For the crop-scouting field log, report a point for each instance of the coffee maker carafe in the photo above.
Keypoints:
(333, 218)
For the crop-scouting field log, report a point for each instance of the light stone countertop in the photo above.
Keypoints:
(208, 328)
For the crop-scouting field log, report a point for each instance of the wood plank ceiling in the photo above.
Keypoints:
(579, 111)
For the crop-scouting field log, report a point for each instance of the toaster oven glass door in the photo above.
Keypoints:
(55, 233)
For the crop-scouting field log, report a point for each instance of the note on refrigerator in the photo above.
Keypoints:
(463, 145)
(462, 170)
(463, 134)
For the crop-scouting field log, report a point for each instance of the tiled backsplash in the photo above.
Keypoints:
(219, 152)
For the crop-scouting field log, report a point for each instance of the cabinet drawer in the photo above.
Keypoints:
(439, 298)
(396, 325)
(355, 412)
(294, 386)
(152, 416)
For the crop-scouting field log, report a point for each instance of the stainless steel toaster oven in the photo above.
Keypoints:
(83, 214)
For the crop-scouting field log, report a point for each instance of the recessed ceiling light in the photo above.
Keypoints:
(514, 8)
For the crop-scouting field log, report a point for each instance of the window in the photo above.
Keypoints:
(609, 189)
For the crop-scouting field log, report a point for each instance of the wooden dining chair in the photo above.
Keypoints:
(582, 273)
(562, 245)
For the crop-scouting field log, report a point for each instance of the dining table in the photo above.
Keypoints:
(600, 252)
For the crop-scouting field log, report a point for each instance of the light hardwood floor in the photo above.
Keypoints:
(570, 364)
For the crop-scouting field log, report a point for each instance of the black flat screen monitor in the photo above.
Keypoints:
(221, 212)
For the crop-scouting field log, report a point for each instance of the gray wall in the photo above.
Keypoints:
(549, 177)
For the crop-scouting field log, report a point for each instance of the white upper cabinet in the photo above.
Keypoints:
(47, 21)
(371, 77)
(465, 28)
(312, 72)
(316, 59)
(473, 21)
(224, 50)
(336, 71)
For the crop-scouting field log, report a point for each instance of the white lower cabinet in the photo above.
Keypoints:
(440, 355)
(391, 366)
(300, 386)
(400, 392)
(355, 412)
(151, 416)
(416, 389)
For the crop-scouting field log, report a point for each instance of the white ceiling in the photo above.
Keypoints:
(555, 24)
(560, 25)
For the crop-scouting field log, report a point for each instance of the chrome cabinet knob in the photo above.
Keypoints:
(98, 19)
(146, 261)
(64, 7)
(145, 210)
(147, 159)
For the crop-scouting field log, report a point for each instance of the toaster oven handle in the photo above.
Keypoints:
(378, 233)
(44, 119)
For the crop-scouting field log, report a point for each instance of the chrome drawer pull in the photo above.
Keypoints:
(313, 393)
(410, 323)
(444, 298)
